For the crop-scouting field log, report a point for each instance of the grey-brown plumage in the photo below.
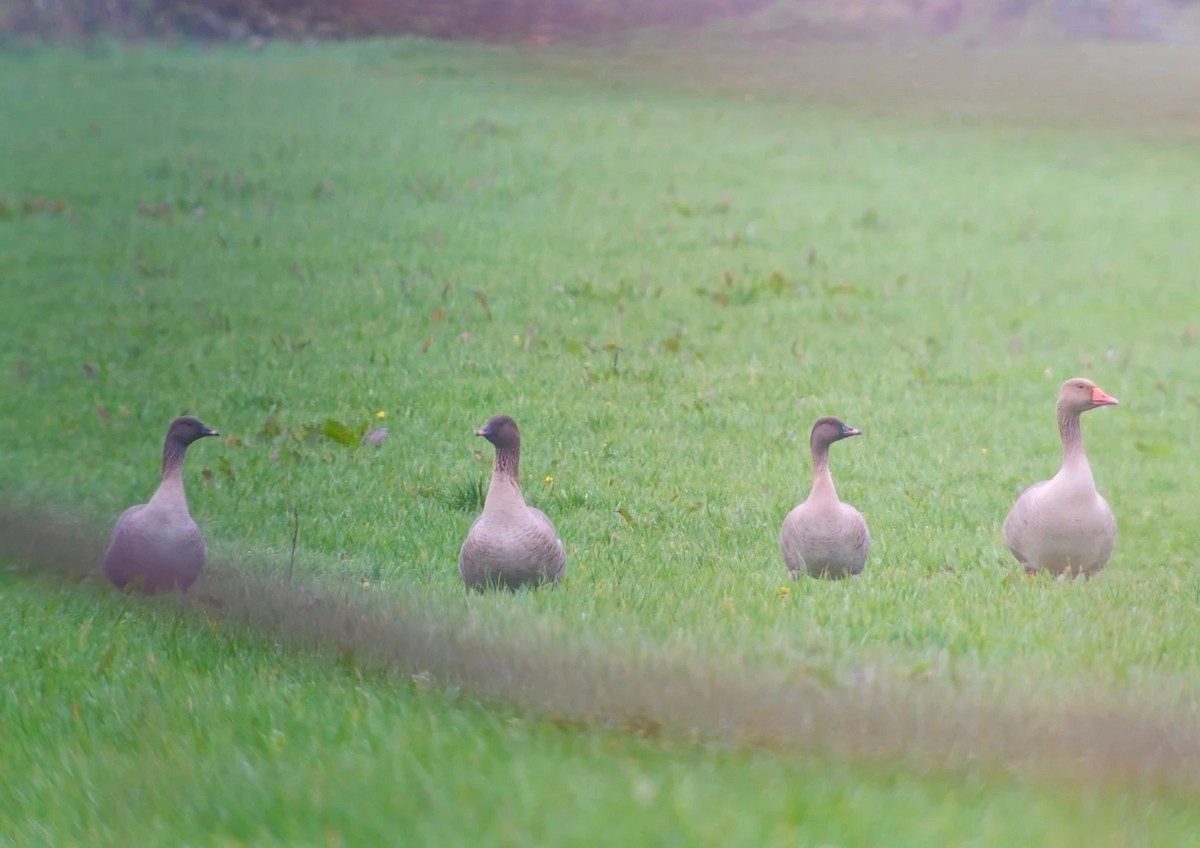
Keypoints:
(1063, 525)
(511, 544)
(156, 546)
(822, 536)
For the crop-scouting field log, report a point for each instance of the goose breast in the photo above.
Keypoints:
(825, 543)
(154, 550)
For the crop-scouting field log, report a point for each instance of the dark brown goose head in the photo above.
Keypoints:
(187, 429)
(502, 432)
(182, 432)
(828, 430)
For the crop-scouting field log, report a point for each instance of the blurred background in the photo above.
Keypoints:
(970, 22)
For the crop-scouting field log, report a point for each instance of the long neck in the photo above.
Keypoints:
(822, 484)
(505, 486)
(1072, 440)
(173, 453)
(171, 488)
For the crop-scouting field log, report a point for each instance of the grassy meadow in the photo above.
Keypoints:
(664, 282)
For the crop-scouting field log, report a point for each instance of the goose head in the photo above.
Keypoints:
(502, 432)
(186, 429)
(828, 430)
(1080, 394)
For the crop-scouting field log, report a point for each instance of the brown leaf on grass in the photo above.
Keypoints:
(869, 220)
(155, 210)
(428, 340)
(30, 206)
(483, 301)
(103, 412)
(89, 369)
(439, 314)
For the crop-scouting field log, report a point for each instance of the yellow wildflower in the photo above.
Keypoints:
(784, 591)
(549, 481)
(381, 415)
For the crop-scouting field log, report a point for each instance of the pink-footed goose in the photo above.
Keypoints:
(822, 536)
(510, 544)
(156, 546)
(1063, 525)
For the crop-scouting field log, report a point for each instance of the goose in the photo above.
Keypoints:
(1063, 525)
(156, 546)
(822, 536)
(510, 544)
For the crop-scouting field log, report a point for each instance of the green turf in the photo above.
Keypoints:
(125, 725)
(665, 288)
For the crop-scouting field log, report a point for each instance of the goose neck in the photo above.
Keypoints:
(505, 488)
(1072, 438)
(174, 453)
(507, 464)
(822, 479)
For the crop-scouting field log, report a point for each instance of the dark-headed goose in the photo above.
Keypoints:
(823, 536)
(510, 544)
(156, 546)
(1063, 525)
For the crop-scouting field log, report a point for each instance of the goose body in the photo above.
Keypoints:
(157, 546)
(822, 536)
(1063, 525)
(510, 544)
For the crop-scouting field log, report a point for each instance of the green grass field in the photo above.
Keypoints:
(665, 285)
